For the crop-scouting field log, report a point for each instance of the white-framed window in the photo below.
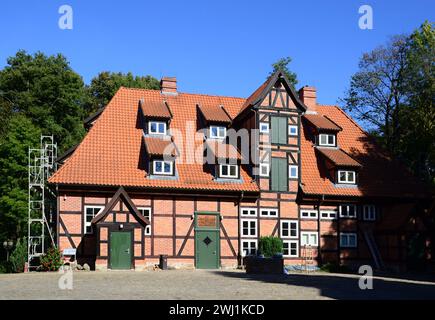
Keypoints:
(248, 212)
(369, 212)
(293, 130)
(309, 239)
(228, 171)
(327, 140)
(218, 132)
(146, 212)
(290, 248)
(348, 240)
(161, 167)
(248, 227)
(264, 169)
(293, 171)
(249, 247)
(346, 176)
(347, 211)
(90, 213)
(289, 229)
(269, 212)
(264, 127)
(328, 214)
(309, 214)
(157, 127)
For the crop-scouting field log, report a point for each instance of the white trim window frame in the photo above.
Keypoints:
(146, 212)
(350, 214)
(217, 132)
(327, 142)
(293, 132)
(264, 166)
(163, 167)
(248, 212)
(88, 217)
(346, 176)
(330, 214)
(268, 212)
(369, 212)
(308, 214)
(296, 171)
(229, 175)
(157, 127)
(289, 232)
(264, 127)
(249, 225)
(309, 235)
(251, 248)
(345, 240)
(292, 245)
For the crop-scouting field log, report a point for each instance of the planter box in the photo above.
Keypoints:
(264, 265)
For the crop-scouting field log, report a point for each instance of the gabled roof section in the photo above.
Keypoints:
(321, 122)
(121, 195)
(338, 157)
(155, 109)
(215, 113)
(159, 147)
(259, 94)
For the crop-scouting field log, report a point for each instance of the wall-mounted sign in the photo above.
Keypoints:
(206, 220)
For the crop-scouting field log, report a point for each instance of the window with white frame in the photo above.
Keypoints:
(293, 171)
(328, 214)
(90, 213)
(218, 132)
(289, 229)
(269, 212)
(348, 240)
(264, 127)
(290, 248)
(248, 212)
(161, 167)
(347, 211)
(309, 239)
(346, 176)
(293, 130)
(264, 169)
(228, 171)
(157, 127)
(309, 214)
(369, 212)
(249, 227)
(249, 247)
(327, 140)
(146, 212)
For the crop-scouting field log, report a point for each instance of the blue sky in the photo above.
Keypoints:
(214, 47)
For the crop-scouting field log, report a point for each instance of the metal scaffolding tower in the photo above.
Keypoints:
(41, 165)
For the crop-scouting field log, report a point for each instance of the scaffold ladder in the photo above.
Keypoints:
(307, 258)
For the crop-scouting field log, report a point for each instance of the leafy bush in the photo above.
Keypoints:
(18, 257)
(52, 260)
(334, 268)
(5, 267)
(269, 246)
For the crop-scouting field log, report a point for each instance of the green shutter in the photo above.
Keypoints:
(279, 130)
(279, 174)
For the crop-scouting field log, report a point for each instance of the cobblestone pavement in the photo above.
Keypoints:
(202, 284)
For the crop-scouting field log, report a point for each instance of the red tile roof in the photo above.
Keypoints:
(338, 157)
(221, 150)
(159, 146)
(155, 108)
(321, 122)
(215, 113)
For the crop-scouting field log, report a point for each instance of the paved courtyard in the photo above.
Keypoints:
(201, 284)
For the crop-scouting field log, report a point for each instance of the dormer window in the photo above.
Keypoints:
(157, 127)
(218, 132)
(161, 167)
(346, 176)
(230, 171)
(327, 140)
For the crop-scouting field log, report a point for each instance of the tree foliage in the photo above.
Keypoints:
(283, 64)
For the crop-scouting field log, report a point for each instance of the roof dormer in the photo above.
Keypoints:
(324, 129)
(215, 120)
(156, 117)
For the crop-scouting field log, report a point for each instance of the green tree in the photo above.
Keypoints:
(105, 84)
(283, 64)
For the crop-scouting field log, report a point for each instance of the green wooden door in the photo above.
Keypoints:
(279, 130)
(207, 249)
(279, 174)
(120, 250)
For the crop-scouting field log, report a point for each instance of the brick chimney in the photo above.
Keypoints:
(308, 96)
(168, 85)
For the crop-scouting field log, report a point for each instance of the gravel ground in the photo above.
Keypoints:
(209, 285)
